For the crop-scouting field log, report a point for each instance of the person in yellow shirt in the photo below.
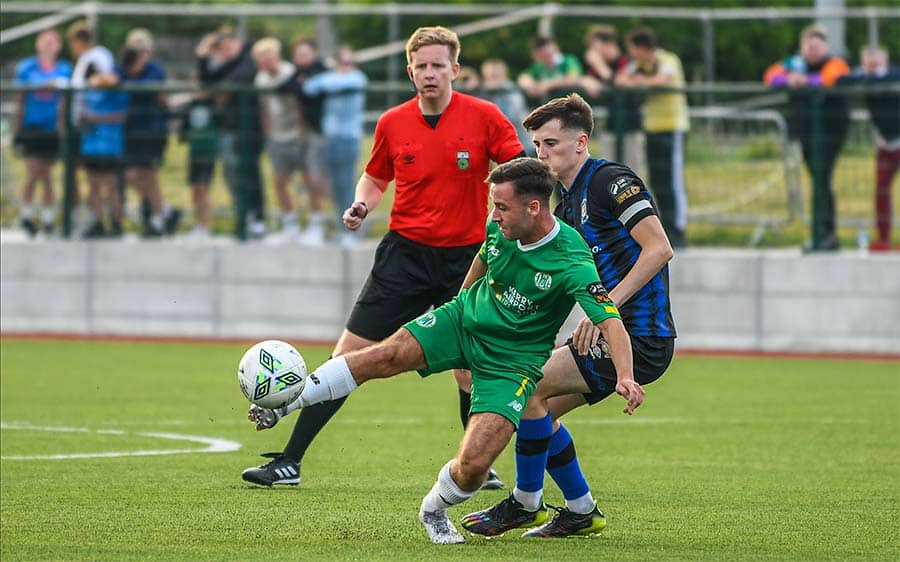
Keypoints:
(665, 120)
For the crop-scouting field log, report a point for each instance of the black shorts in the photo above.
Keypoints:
(38, 143)
(144, 150)
(200, 170)
(650, 356)
(406, 280)
(101, 163)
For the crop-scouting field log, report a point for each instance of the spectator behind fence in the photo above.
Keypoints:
(884, 110)
(552, 71)
(38, 123)
(344, 88)
(497, 88)
(100, 115)
(603, 61)
(240, 137)
(815, 67)
(146, 130)
(305, 55)
(200, 130)
(665, 122)
(281, 126)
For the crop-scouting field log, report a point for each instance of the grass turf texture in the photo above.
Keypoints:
(758, 459)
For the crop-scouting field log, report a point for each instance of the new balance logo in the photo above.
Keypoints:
(515, 406)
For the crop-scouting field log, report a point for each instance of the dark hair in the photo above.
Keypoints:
(529, 176)
(129, 57)
(81, 31)
(572, 111)
(642, 37)
(539, 41)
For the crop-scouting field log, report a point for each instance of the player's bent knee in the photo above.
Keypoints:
(472, 471)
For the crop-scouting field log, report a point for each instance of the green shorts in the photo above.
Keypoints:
(502, 380)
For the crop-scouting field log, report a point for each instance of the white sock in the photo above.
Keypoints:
(582, 505)
(48, 214)
(531, 501)
(26, 211)
(445, 492)
(316, 220)
(156, 221)
(332, 380)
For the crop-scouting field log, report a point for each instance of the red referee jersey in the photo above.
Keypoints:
(441, 197)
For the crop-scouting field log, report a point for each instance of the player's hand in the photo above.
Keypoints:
(354, 215)
(263, 418)
(630, 390)
(585, 336)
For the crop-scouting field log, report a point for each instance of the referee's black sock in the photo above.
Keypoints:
(465, 404)
(311, 420)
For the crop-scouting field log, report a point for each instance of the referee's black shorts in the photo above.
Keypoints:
(650, 356)
(406, 280)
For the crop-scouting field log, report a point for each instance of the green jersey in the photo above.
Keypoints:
(528, 291)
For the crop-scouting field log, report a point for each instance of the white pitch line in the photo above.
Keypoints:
(213, 444)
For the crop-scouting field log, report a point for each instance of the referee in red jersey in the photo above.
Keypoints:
(437, 148)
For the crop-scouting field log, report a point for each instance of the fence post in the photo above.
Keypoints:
(819, 181)
(242, 147)
(618, 116)
(69, 149)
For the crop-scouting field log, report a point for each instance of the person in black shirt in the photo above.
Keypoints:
(240, 140)
(312, 145)
(884, 110)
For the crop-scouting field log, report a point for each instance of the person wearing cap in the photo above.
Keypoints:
(146, 131)
(815, 67)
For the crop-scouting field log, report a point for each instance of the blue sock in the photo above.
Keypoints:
(562, 464)
(532, 440)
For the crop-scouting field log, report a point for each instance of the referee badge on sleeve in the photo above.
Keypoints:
(462, 159)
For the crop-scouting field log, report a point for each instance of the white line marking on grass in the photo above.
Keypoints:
(213, 444)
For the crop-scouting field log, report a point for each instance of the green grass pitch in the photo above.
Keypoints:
(728, 459)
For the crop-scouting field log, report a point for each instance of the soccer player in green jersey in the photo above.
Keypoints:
(529, 273)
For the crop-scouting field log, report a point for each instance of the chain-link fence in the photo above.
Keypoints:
(754, 161)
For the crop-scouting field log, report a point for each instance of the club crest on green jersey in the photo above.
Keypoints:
(542, 280)
(426, 320)
(462, 159)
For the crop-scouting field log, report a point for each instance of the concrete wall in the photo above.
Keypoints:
(722, 299)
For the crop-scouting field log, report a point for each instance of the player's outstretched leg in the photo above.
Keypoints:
(580, 517)
(523, 508)
(433, 512)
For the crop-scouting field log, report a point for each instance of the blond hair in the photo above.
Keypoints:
(437, 35)
(267, 44)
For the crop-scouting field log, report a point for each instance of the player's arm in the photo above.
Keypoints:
(656, 251)
(606, 323)
(369, 191)
(476, 272)
(613, 332)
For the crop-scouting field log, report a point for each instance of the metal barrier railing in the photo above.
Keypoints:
(742, 167)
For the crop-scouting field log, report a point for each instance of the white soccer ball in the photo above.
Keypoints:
(272, 374)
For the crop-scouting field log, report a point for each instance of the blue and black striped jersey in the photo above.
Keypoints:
(604, 203)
